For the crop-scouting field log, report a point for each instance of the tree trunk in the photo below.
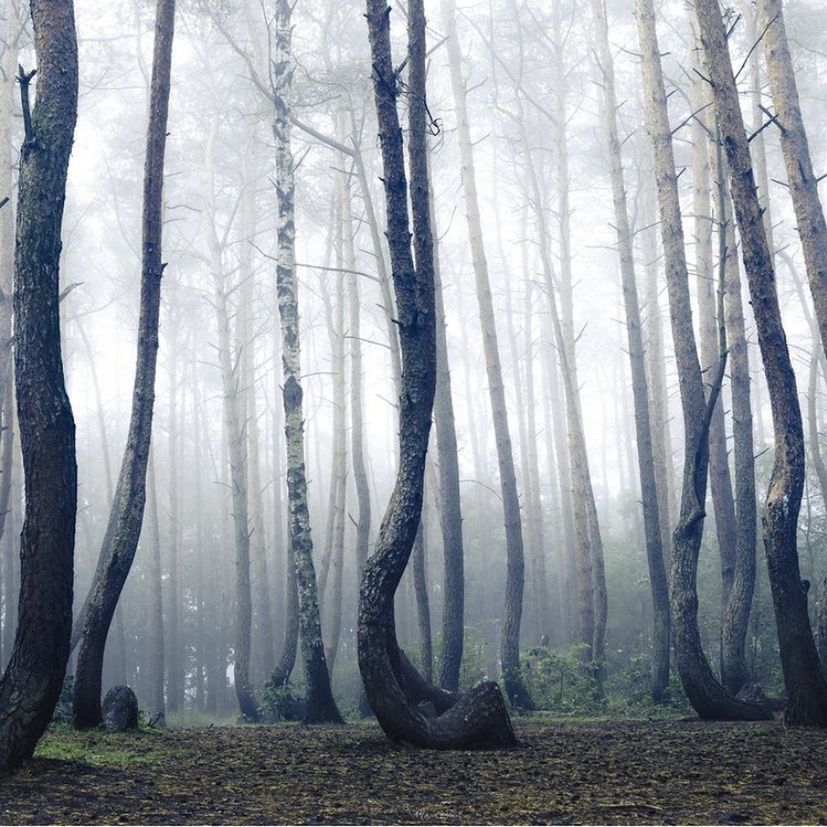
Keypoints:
(640, 391)
(734, 670)
(397, 694)
(320, 706)
(806, 684)
(803, 183)
(155, 631)
(174, 648)
(719, 475)
(656, 372)
(33, 680)
(336, 329)
(263, 649)
(821, 625)
(705, 693)
(513, 609)
(423, 608)
(126, 517)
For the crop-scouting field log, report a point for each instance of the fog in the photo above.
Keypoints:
(528, 85)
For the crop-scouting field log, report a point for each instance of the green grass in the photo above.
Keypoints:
(100, 748)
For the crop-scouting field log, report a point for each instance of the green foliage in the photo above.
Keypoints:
(281, 703)
(472, 666)
(562, 681)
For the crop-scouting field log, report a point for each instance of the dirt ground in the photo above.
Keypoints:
(663, 772)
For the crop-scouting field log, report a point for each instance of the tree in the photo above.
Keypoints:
(513, 609)
(734, 671)
(450, 506)
(406, 706)
(320, 706)
(33, 680)
(805, 682)
(802, 180)
(705, 693)
(126, 517)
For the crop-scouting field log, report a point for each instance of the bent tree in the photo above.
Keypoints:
(805, 682)
(34, 677)
(126, 517)
(407, 707)
(709, 699)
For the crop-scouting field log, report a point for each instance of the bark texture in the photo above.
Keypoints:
(735, 623)
(33, 679)
(805, 682)
(705, 693)
(123, 530)
(802, 180)
(407, 707)
(320, 706)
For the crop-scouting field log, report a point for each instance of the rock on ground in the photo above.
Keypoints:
(120, 709)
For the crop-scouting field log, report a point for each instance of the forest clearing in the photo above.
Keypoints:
(683, 772)
(413, 411)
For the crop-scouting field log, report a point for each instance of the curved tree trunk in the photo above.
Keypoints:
(734, 671)
(33, 680)
(806, 684)
(719, 475)
(406, 707)
(320, 706)
(705, 693)
(515, 573)
(126, 517)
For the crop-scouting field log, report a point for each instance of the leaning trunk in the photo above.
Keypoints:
(705, 693)
(126, 517)
(805, 682)
(33, 680)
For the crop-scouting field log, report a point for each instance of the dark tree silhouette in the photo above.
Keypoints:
(126, 517)
(407, 707)
(34, 677)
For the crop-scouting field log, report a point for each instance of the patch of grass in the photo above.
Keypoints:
(102, 749)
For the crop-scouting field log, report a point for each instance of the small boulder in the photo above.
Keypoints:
(120, 709)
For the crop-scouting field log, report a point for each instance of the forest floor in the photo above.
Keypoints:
(662, 772)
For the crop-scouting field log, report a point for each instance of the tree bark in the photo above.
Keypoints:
(320, 706)
(155, 631)
(33, 680)
(705, 693)
(734, 670)
(395, 691)
(126, 517)
(803, 183)
(805, 683)
(515, 572)
(719, 474)
(450, 512)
